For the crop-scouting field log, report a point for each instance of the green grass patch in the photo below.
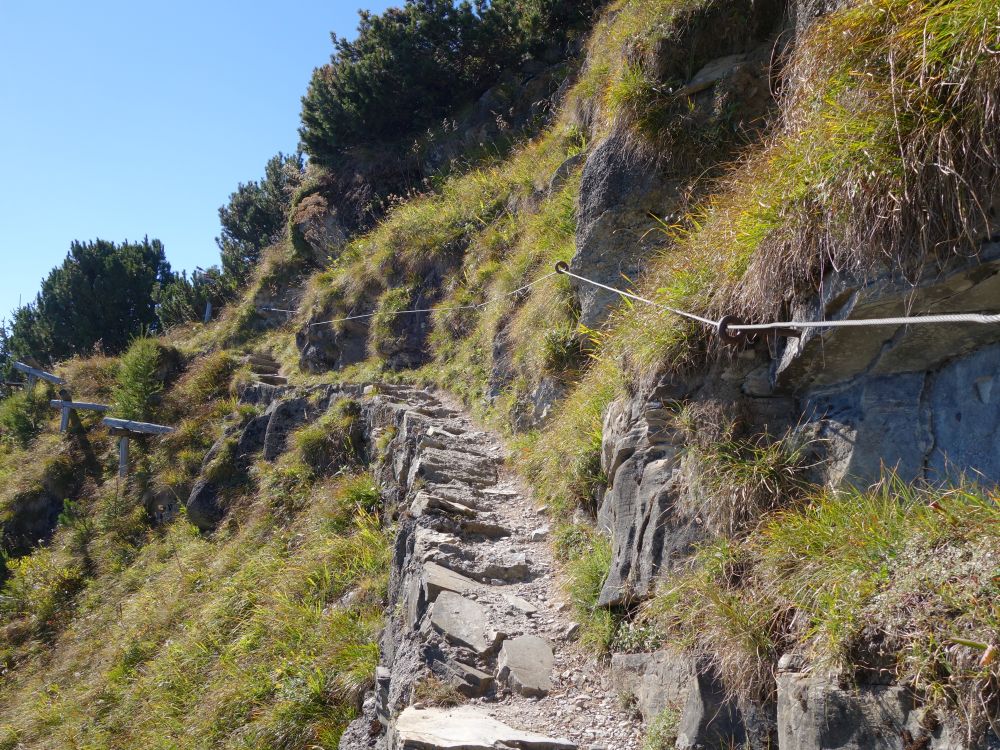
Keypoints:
(888, 580)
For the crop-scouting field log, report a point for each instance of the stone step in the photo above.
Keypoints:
(469, 681)
(424, 587)
(272, 379)
(259, 369)
(437, 578)
(459, 493)
(464, 623)
(475, 527)
(525, 664)
(446, 466)
(426, 503)
(465, 728)
(260, 359)
(510, 567)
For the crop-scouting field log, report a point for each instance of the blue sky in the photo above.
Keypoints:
(124, 119)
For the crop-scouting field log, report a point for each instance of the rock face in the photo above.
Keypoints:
(917, 398)
(624, 185)
(815, 712)
(920, 399)
(329, 347)
(621, 186)
(675, 681)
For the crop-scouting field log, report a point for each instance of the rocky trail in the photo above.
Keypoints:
(475, 601)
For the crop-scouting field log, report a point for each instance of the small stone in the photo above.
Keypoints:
(571, 631)
(540, 534)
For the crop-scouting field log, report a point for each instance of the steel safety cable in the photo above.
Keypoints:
(476, 306)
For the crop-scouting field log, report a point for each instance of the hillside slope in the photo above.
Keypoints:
(779, 541)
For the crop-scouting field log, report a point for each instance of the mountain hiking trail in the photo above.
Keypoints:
(476, 601)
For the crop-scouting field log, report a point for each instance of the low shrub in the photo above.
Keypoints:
(23, 414)
(661, 734)
(139, 381)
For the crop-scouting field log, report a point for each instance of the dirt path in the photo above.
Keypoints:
(482, 602)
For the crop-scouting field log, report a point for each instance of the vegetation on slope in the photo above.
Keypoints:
(240, 640)
(129, 629)
(895, 581)
(246, 639)
(880, 127)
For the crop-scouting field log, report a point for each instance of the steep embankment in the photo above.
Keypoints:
(767, 544)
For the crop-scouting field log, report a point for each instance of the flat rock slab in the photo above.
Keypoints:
(438, 578)
(425, 503)
(465, 728)
(525, 664)
(464, 622)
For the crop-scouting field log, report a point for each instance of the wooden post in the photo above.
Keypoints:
(126, 428)
(123, 456)
(208, 311)
(67, 406)
(34, 374)
(145, 428)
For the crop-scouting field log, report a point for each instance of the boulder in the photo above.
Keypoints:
(464, 623)
(525, 664)
(203, 507)
(464, 728)
(252, 438)
(317, 228)
(283, 417)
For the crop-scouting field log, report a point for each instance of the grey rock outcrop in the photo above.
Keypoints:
(920, 399)
(329, 347)
(620, 187)
(814, 711)
(318, 229)
(668, 680)
(204, 508)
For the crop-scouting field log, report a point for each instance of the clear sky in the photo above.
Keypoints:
(123, 119)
